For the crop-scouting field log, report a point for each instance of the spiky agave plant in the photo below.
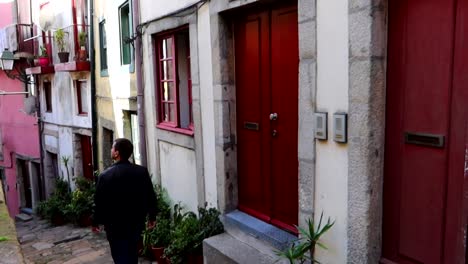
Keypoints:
(312, 235)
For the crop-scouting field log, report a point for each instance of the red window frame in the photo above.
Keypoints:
(47, 87)
(79, 100)
(171, 124)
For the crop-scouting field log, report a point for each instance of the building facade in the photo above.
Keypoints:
(276, 111)
(19, 134)
(64, 90)
(116, 94)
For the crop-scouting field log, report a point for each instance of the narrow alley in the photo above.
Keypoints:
(42, 243)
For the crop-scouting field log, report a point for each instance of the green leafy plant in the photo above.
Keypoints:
(189, 232)
(183, 239)
(43, 52)
(163, 203)
(160, 234)
(60, 39)
(82, 38)
(310, 238)
(82, 201)
(56, 206)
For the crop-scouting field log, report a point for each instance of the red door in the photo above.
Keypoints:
(267, 62)
(427, 86)
(87, 156)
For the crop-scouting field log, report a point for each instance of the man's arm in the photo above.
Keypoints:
(151, 197)
(99, 197)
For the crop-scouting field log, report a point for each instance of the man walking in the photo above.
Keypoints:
(124, 198)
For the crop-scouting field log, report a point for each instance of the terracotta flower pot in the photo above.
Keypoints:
(43, 61)
(57, 220)
(85, 220)
(158, 253)
(82, 54)
(195, 259)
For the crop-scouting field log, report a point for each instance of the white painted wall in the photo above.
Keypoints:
(179, 178)
(207, 105)
(331, 190)
(167, 7)
(65, 150)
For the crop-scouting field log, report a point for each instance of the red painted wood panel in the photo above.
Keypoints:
(422, 183)
(267, 61)
(284, 75)
(252, 82)
(456, 221)
(87, 157)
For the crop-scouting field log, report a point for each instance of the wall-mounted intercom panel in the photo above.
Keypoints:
(321, 126)
(340, 128)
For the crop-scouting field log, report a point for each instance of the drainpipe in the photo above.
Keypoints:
(93, 89)
(140, 88)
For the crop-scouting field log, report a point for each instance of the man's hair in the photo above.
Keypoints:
(125, 148)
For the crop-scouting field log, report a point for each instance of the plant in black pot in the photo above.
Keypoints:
(60, 40)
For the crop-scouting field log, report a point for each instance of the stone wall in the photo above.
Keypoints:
(367, 68)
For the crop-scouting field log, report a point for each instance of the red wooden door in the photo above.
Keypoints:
(267, 63)
(87, 157)
(424, 151)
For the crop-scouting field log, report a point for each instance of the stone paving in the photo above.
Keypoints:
(42, 243)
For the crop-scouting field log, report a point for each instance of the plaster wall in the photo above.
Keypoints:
(19, 136)
(178, 177)
(168, 7)
(6, 14)
(332, 96)
(159, 159)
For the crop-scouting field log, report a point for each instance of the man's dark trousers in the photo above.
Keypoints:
(124, 248)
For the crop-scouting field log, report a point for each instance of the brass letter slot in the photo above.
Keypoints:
(424, 139)
(251, 126)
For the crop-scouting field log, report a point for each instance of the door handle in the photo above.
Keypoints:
(273, 116)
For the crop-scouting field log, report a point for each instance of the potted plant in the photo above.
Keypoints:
(60, 40)
(44, 57)
(82, 54)
(160, 239)
(297, 252)
(80, 208)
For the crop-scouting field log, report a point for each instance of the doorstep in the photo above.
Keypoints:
(246, 240)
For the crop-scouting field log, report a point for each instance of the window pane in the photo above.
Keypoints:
(169, 112)
(168, 91)
(168, 70)
(167, 48)
(83, 97)
(172, 112)
(48, 96)
(103, 48)
(125, 33)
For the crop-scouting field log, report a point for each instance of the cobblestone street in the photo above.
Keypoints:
(42, 243)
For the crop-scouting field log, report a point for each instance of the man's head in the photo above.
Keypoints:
(122, 149)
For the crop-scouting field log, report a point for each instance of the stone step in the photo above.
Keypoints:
(247, 240)
(23, 217)
(225, 248)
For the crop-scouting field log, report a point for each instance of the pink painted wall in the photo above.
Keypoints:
(19, 136)
(6, 16)
(18, 130)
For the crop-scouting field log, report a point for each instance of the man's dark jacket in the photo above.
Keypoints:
(124, 197)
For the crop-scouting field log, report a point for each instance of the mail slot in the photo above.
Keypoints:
(251, 126)
(424, 139)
